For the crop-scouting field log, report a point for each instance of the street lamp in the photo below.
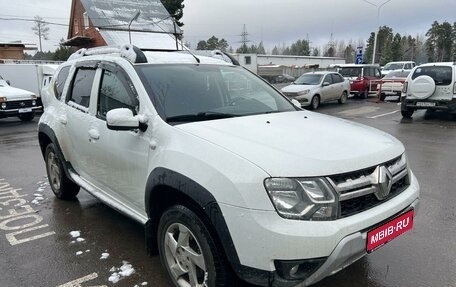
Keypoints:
(378, 25)
(131, 21)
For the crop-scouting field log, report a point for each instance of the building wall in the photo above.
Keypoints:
(299, 61)
(77, 27)
(13, 53)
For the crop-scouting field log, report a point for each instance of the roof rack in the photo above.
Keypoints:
(129, 52)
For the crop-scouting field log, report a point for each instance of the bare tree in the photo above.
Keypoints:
(41, 30)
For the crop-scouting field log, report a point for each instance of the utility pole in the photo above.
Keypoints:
(378, 25)
(244, 35)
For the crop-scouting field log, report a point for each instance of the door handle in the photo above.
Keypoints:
(94, 134)
(63, 120)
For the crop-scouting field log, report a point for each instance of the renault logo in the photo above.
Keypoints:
(22, 104)
(384, 182)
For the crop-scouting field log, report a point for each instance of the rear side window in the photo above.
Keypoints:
(82, 87)
(337, 78)
(441, 75)
(60, 81)
(114, 94)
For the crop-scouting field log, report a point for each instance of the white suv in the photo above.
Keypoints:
(430, 86)
(230, 179)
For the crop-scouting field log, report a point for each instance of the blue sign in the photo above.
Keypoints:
(359, 55)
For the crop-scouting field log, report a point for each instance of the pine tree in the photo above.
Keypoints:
(175, 9)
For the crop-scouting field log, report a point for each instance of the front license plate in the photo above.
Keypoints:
(28, 110)
(389, 231)
(425, 104)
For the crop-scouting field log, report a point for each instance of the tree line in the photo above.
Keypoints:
(436, 45)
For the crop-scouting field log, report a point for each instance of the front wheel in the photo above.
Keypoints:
(188, 251)
(343, 98)
(407, 113)
(61, 185)
(315, 103)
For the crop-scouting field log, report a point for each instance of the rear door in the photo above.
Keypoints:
(339, 85)
(327, 92)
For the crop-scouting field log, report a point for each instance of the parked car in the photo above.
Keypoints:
(16, 102)
(314, 88)
(223, 180)
(392, 84)
(363, 78)
(430, 86)
(393, 66)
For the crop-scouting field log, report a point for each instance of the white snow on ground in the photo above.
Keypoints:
(80, 239)
(39, 198)
(75, 234)
(41, 189)
(73, 242)
(104, 256)
(144, 284)
(79, 253)
(35, 202)
(37, 194)
(113, 269)
(123, 271)
(88, 250)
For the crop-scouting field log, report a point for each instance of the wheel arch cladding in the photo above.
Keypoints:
(165, 188)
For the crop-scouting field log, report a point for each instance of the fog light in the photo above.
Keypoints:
(298, 269)
(294, 270)
(3, 105)
(33, 103)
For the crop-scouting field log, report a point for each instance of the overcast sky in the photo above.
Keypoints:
(272, 21)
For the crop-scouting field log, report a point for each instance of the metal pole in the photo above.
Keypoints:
(378, 26)
(131, 21)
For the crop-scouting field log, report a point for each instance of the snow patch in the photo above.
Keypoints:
(88, 250)
(104, 255)
(75, 234)
(37, 195)
(123, 271)
(79, 253)
(114, 278)
(144, 284)
(80, 239)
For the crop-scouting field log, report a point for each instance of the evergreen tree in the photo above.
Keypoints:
(175, 9)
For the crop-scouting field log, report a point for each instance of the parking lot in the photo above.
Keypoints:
(37, 248)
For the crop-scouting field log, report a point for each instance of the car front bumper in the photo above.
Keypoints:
(15, 112)
(264, 238)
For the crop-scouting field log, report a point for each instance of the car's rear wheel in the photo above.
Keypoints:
(315, 103)
(188, 251)
(407, 113)
(61, 185)
(343, 98)
(27, 117)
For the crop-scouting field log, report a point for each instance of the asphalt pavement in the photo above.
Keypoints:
(38, 245)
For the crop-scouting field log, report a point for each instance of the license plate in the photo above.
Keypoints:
(425, 104)
(28, 110)
(388, 231)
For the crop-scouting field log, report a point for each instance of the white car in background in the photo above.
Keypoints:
(16, 102)
(402, 65)
(392, 84)
(314, 88)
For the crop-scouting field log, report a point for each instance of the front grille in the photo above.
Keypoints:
(361, 190)
(19, 104)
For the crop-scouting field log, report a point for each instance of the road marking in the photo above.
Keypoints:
(359, 111)
(77, 282)
(382, 115)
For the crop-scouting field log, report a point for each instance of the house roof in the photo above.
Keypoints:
(117, 14)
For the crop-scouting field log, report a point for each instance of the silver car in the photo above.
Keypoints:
(314, 88)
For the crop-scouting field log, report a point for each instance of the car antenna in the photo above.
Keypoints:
(184, 48)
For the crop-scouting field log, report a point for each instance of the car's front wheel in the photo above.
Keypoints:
(343, 98)
(188, 251)
(315, 103)
(61, 185)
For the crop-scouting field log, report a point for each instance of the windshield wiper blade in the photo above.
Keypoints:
(202, 116)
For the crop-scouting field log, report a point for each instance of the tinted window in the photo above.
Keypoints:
(367, 72)
(442, 75)
(114, 94)
(328, 79)
(184, 93)
(60, 81)
(82, 87)
(337, 78)
(309, 79)
(350, 71)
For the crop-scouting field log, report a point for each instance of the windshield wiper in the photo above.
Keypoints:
(202, 116)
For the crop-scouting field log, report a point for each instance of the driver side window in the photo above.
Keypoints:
(114, 94)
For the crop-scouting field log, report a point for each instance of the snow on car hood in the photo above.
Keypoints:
(13, 93)
(298, 88)
(298, 144)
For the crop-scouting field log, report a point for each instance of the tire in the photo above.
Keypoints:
(343, 98)
(27, 117)
(186, 248)
(61, 185)
(407, 114)
(315, 103)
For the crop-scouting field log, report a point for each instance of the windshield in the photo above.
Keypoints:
(185, 93)
(397, 74)
(309, 79)
(393, 66)
(441, 75)
(350, 71)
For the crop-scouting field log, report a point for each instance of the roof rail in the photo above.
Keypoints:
(129, 52)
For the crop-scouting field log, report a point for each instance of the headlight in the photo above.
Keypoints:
(305, 92)
(3, 105)
(302, 198)
(3, 99)
(33, 103)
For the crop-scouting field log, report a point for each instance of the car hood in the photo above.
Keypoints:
(298, 88)
(298, 144)
(14, 93)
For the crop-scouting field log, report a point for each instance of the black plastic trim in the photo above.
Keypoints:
(162, 177)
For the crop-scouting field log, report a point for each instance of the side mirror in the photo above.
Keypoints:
(325, 84)
(122, 120)
(296, 103)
